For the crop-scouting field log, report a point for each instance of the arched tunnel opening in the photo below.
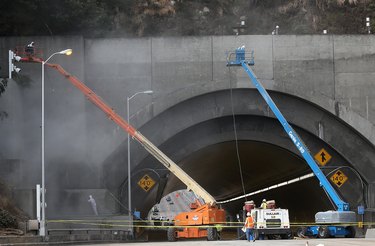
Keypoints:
(218, 168)
(212, 151)
(262, 165)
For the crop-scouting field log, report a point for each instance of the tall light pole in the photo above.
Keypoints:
(42, 229)
(129, 169)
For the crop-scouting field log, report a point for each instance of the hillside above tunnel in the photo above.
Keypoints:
(184, 18)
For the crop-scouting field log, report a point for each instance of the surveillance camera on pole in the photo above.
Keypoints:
(12, 67)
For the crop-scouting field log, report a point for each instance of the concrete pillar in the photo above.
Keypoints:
(371, 195)
(370, 210)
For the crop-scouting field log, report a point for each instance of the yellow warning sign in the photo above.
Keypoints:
(146, 183)
(322, 157)
(339, 178)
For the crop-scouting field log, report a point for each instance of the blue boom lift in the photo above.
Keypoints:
(329, 223)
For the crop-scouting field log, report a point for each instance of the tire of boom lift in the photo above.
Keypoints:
(351, 233)
(212, 234)
(323, 232)
(172, 234)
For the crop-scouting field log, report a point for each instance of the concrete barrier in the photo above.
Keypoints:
(370, 233)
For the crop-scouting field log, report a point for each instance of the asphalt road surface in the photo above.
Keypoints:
(299, 242)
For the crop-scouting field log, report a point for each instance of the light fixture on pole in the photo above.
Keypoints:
(368, 25)
(12, 67)
(240, 27)
(42, 229)
(129, 168)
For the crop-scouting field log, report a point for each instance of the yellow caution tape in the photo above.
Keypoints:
(219, 226)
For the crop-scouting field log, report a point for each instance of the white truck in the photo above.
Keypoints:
(269, 221)
(273, 223)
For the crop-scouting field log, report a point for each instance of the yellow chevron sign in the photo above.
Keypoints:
(323, 157)
(146, 183)
(339, 178)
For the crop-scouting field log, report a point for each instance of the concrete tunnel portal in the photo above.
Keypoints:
(209, 141)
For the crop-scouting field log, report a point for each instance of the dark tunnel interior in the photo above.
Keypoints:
(216, 168)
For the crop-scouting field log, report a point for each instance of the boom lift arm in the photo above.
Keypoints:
(206, 215)
(151, 148)
(245, 63)
(329, 219)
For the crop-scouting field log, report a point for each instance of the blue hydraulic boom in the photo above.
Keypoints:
(342, 214)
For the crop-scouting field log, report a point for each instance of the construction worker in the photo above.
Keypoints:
(264, 204)
(249, 225)
(238, 228)
(93, 204)
(29, 49)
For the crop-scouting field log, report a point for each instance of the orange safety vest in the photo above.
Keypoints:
(249, 223)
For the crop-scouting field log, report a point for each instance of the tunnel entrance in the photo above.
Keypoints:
(198, 134)
(262, 165)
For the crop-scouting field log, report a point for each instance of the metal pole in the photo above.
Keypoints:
(129, 170)
(42, 230)
(38, 202)
(129, 164)
(10, 59)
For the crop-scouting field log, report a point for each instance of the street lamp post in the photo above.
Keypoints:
(42, 229)
(129, 169)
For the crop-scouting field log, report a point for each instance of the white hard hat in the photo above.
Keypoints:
(248, 214)
(264, 200)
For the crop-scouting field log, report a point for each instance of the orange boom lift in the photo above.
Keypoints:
(198, 223)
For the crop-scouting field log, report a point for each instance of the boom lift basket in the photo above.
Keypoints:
(23, 51)
(241, 56)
